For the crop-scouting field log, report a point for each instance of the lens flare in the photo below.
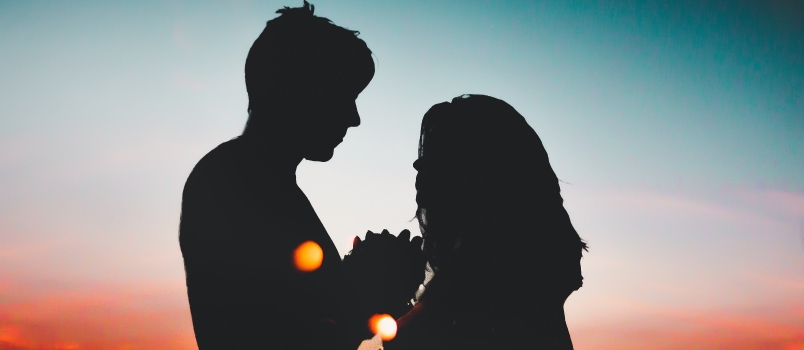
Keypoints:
(384, 325)
(308, 256)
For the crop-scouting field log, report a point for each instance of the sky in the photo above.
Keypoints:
(677, 130)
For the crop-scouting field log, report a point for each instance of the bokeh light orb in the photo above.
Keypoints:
(308, 256)
(383, 325)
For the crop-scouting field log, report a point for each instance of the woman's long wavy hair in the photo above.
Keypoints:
(489, 203)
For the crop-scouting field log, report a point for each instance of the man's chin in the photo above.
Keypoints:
(320, 156)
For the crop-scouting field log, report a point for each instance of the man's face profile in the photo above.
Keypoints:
(327, 116)
(303, 75)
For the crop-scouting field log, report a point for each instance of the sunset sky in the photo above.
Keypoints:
(677, 130)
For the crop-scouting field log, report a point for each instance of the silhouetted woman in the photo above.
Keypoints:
(502, 249)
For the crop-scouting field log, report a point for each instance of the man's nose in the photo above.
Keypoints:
(353, 117)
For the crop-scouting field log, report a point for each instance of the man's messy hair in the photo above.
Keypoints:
(299, 52)
(305, 10)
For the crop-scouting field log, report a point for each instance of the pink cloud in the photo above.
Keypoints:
(180, 37)
(186, 82)
(95, 316)
(27, 250)
(741, 206)
(785, 202)
(776, 326)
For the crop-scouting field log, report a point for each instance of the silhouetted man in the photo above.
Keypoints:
(242, 212)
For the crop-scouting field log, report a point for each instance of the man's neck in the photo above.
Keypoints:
(274, 152)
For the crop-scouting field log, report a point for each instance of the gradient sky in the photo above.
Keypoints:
(678, 130)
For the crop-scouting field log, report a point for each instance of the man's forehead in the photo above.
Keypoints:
(337, 90)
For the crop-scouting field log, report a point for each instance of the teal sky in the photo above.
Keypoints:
(678, 130)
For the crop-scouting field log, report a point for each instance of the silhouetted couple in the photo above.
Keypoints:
(501, 247)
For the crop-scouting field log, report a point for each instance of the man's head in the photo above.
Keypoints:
(303, 74)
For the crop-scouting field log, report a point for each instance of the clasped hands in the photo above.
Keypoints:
(384, 272)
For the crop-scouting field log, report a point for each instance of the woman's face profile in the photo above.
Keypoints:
(422, 186)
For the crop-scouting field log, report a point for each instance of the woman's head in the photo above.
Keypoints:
(484, 178)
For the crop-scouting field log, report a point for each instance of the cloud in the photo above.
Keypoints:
(732, 207)
(94, 316)
(30, 249)
(180, 37)
(187, 82)
(698, 270)
(738, 205)
(77, 155)
(786, 203)
(771, 327)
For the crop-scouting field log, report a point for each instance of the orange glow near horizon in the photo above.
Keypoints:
(308, 256)
(103, 316)
(383, 325)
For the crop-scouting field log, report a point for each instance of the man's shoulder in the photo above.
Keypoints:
(224, 153)
(218, 163)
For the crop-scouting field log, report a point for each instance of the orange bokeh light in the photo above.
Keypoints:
(308, 256)
(384, 325)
